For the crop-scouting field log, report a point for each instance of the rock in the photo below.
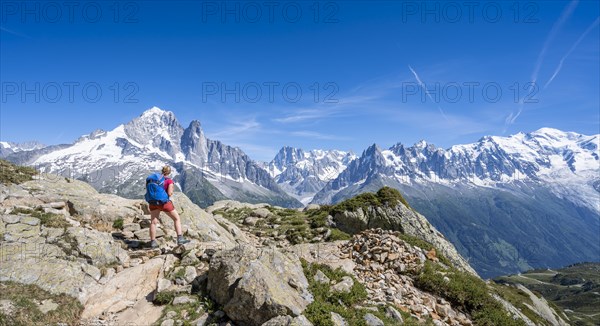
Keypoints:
(261, 212)
(107, 275)
(431, 255)
(190, 258)
(183, 300)
(29, 220)
(11, 219)
(7, 307)
(168, 322)
(162, 285)
(301, 321)
(144, 234)
(190, 274)
(250, 220)
(253, 287)
(55, 205)
(279, 321)
(393, 314)
(320, 277)
(43, 265)
(311, 207)
(92, 271)
(327, 253)
(47, 306)
(201, 321)
(145, 223)
(338, 320)
(372, 320)
(18, 231)
(345, 285)
(125, 290)
(131, 227)
(97, 246)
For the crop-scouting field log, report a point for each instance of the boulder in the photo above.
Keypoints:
(262, 213)
(98, 247)
(254, 286)
(344, 286)
(320, 277)
(338, 320)
(124, 290)
(372, 320)
(44, 265)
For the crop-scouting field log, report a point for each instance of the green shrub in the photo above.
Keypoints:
(118, 224)
(385, 196)
(163, 298)
(337, 234)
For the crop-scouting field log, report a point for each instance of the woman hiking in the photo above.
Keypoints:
(165, 204)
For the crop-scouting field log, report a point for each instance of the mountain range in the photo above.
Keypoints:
(507, 203)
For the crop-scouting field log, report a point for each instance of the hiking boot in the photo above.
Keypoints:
(181, 240)
(153, 244)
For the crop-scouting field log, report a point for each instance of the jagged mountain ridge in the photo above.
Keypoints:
(547, 156)
(303, 173)
(507, 203)
(117, 161)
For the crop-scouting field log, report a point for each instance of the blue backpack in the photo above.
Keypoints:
(155, 191)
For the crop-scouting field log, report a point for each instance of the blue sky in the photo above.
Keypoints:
(368, 71)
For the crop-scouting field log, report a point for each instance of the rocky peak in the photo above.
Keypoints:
(157, 128)
(194, 145)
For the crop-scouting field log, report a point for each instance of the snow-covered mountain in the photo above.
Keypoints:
(118, 160)
(303, 173)
(507, 203)
(566, 162)
(7, 148)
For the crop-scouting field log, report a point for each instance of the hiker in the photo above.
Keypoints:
(160, 201)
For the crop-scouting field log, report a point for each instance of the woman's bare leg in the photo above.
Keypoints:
(176, 220)
(153, 221)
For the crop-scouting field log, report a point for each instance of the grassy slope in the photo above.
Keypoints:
(575, 289)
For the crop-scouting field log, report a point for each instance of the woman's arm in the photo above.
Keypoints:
(170, 190)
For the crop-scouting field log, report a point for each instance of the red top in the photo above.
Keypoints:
(168, 181)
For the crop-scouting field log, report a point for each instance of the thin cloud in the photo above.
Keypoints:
(237, 128)
(307, 114)
(562, 60)
(422, 85)
(316, 135)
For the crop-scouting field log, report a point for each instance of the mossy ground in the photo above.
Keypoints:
(293, 225)
(14, 174)
(46, 219)
(27, 312)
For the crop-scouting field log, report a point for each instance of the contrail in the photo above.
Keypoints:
(562, 60)
(425, 90)
(4, 29)
(538, 63)
(555, 28)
